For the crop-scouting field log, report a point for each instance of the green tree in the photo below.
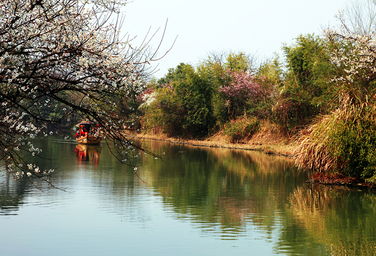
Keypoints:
(214, 72)
(309, 71)
(238, 62)
(271, 72)
(306, 89)
(183, 105)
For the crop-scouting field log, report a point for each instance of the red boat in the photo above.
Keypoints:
(88, 133)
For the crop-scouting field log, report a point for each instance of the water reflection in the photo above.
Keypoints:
(223, 194)
(11, 194)
(86, 153)
(223, 190)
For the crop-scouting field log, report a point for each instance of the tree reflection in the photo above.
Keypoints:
(223, 190)
(12, 194)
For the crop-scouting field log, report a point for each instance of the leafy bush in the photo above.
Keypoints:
(306, 89)
(309, 71)
(214, 72)
(241, 129)
(195, 94)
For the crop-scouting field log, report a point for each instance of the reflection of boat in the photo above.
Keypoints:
(88, 133)
(87, 153)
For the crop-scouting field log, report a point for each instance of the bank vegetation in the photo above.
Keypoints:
(319, 96)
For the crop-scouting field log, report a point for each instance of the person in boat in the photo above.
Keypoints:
(83, 129)
(88, 133)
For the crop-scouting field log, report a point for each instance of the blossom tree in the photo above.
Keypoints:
(64, 54)
(242, 88)
(354, 49)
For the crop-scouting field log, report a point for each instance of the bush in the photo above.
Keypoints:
(345, 140)
(241, 129)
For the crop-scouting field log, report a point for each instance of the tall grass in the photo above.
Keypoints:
(343, 141)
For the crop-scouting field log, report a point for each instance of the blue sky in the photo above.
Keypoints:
(259, 28)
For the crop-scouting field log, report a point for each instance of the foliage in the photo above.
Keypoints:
(243, 91)
(164, 114)
(241, 129)
(289, 113)
(307, 89)
(214, 72)
(354, 57)
(309, 69)
(183, 105)
(271, 72)
(195, 94)
(242, 88)
(238, 62)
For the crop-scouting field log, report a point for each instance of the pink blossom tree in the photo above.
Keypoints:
(242, 89)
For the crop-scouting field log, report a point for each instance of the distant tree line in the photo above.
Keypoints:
(196, 102)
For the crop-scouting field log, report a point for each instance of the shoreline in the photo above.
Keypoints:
(358, 185)
(278, 149)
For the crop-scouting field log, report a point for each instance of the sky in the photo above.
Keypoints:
(202, 27)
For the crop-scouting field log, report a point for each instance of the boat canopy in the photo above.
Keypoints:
(84, 123)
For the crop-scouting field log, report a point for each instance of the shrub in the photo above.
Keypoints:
(309, 71)
(345, 140)
(241, 129)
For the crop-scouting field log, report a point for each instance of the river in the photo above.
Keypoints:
(191, 201)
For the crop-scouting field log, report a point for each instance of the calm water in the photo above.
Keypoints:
(191, 202)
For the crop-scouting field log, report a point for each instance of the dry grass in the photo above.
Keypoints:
(314, 150)
(320, 146)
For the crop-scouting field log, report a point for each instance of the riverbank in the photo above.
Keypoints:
(339, 180)
(269, 139)
(279, 147)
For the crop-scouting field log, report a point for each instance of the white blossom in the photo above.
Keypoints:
(63, 54)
